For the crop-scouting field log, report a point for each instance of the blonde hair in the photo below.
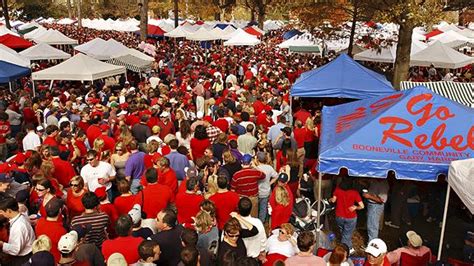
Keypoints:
(211, 186)
(289, 228)
(309, 124)
(203, 221)
(79, 180)
(42, 243)
(281, 196)
(228, 157)
(98, 144)
(47, 168)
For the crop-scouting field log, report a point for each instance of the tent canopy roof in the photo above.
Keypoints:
(14, 42)
(341, 78)
(79, 67)
(10, 72)
(90, 45)
(242, 39)
(43, 51)
(461, 179)
(54, 37)
(373, 136)
(440, 56)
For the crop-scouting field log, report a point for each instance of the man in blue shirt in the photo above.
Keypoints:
(178, 161)
(135, 166)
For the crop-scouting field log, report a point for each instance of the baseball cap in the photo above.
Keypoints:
(283, 177)
(246, 159)
(68, 242)
(100, 192)
(286, 130)
(414, 239)
(191, 172)
(116, 259)
(155, 129)
(136, 213)
(40, 128)
(376, 247)
(164, 114)
(4, 178)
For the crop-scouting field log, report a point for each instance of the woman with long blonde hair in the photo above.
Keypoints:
(281, 202)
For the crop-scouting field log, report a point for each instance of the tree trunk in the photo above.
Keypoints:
(353, 27)
(79, 14)
(5, 14)
(144, 20)
(69, 8)
(261, 17)
(217, 16)
(252, 15)
(176, 13)
(402, 63)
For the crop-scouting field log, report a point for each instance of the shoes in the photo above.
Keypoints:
(389, 224)
(351, 251)
(430, 219)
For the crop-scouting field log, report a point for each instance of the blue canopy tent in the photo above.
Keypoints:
(10, 72)
(291, 33)
(415, 133)
(224, 25)
(341, 78)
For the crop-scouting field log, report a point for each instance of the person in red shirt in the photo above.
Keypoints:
(221, 122)
(281, 202)
(74, 197)
(166, 175)
(199, 143)
(4, 131)
(302, 114)
(299, 133)
(124, 203)
(94, 130)
(226, 201)
(63, 170)
(51, 131)
(108, 208)
(166, 126)
(52, 226)
(188, 203)
(109, 142)
(265, 119)
(154, 197)
(84, 123)
(124, 244)
(348, 201)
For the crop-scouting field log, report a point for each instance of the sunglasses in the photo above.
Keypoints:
(282, 232)
(90, 159)
(40, 189)
(232, 236)
(74, 185)
(118, 149)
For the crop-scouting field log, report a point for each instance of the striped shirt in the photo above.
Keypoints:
(245, 182)
(98, 222)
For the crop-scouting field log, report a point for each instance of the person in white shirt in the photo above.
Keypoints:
(264, 185)
(97, 173)
(21, 237)
(31, 141)
(256, 244)
(283, 241)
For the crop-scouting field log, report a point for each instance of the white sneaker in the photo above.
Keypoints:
(389, 224)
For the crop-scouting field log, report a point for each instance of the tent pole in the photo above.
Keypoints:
(10, 86)
(443, 227)
(34, 89)
(318, 221)
(291, 110)
(51, 85)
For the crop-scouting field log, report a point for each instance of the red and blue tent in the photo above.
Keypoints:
(415, 133)
(10, 72)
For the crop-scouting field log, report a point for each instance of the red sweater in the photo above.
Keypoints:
(156, 197)
(74, 204)
(124, 204)
(125, 245)
(54, 230)
(63, 171)
(226, 203)
(188, 206)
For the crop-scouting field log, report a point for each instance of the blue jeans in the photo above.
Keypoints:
(374, 212)
(263, 209)
(347, 227)
(135, 186)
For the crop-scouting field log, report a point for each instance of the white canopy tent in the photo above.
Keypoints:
(242, 39)
(467, 33)
(450, 36)
(90, 45)
(305, 39)
(11, 56)
(4, 30)
(140, 55)
(79, 67)
(389, 54)
(54, 37)
(178, 32)
(43, 51)
(202, 34)
(105, 51)
(440, 56)
(35, 33)
(461, 180)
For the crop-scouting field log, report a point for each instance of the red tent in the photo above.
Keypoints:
(14, 42)
(253, 31)
(155, 30)
(433, 33)
(199, 22)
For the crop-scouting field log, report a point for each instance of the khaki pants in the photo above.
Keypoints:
(254, 200)
(300, 153)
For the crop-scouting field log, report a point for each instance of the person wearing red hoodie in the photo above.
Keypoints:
(108, 208)
(124, 244)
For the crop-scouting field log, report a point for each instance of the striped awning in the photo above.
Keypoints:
(132, 63)
(462, 93)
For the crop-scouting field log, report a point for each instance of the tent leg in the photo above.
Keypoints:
(318, 220)
(443, 227)
(10, 86)
(34, 89)
(291, 110)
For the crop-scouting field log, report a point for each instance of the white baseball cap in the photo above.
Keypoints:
(68, 242)
(414, 239)
(136, 213)
(199, 115)
(376, 247)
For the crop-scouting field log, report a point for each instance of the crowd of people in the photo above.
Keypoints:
(199, 163)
